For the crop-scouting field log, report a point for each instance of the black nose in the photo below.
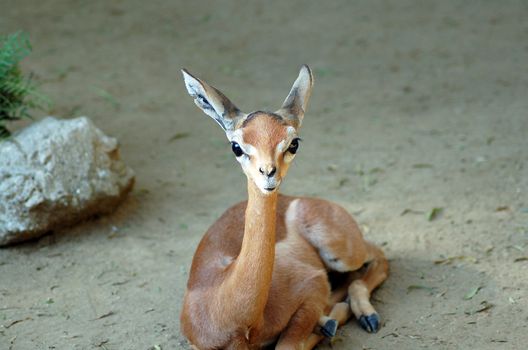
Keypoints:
(270, 173)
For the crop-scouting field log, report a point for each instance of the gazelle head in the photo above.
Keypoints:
(264, 143)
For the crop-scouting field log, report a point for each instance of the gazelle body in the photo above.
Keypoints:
(260, 274)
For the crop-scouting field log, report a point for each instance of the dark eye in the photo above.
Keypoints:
(294, 145)
(236, 149)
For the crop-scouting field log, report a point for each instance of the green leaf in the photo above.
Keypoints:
(13, 48)
(410, 211)
(108, 97)
(422, 166)
(18, 94)
(179, 135)
(435, 213)
(417, 286)
(472, 293)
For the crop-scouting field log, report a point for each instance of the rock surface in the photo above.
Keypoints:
(56, 173)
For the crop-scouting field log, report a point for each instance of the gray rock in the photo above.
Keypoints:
(56, 173)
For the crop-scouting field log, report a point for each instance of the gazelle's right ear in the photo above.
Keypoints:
(214, 103)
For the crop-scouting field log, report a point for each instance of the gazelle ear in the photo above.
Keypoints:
(214, 103)
(295, 104)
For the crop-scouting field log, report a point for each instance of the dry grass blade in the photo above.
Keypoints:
(16, 322)
(110, 313)
(451, 259)
(522, 258)
(483, 306)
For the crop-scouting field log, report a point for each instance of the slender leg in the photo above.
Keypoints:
(340, 312)
(358, 301)
(327, 326)
(300, 327)
(359, 290)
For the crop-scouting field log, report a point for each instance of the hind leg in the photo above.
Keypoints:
(359, 290)
(305, 319)
(358, 301)
(327, 326)
(340, 313)
(300, 327)
(295, 337)
(358, 285)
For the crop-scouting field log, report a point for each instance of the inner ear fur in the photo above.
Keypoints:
(213, 102)
(294, 106)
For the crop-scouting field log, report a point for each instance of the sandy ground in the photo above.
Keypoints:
(417, 105)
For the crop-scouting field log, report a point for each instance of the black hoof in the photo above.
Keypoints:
(370, 323)
(329, 329)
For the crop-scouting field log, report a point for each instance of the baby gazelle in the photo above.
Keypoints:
(261, 274)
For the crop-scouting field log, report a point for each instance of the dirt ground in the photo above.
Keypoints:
(417, 105)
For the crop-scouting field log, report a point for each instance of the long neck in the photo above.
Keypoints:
(250, 279)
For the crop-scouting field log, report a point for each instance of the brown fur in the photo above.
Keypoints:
(265, 132)
(258, 269)
(261, 272)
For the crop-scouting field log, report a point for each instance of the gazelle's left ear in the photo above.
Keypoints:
(213, 102)
(295, 104)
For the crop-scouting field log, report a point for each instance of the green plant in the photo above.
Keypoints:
(18, 94)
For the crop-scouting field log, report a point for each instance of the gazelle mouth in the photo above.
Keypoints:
(270, 188)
